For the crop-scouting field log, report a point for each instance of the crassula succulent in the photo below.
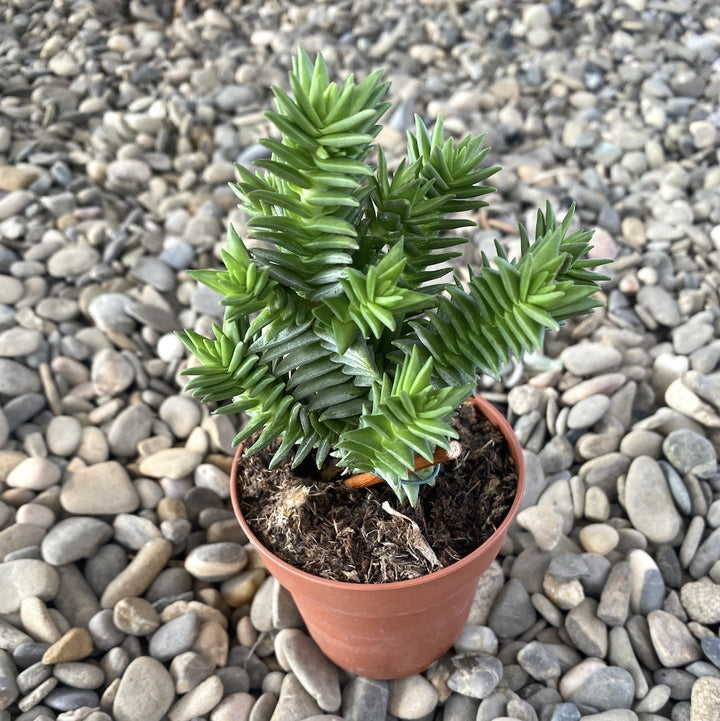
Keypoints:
(345, 333)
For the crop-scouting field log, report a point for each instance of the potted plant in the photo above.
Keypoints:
(350, 353)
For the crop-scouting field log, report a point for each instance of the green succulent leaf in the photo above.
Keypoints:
(340, 335)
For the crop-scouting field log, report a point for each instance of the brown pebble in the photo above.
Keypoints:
(74, 645)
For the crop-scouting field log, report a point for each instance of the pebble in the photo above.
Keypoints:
(34, 473)
(79, 675)
(136, 578)
(170, 463)
(599, 538)
(671, 639)
(701, 601)
(111, 372)
(649, 503)
(74, 645)
(365, 699)
(512, 612)
(412, 697)
(688, 451)
(99, 489)
(595, 687)
(145, 692)
(25, 578)
(705, 698)
(318, 676)
(647, 587)
(216, 561)
(135, 616)
(16, 379)
(174, 637)
(590, 359)
(38, 621)
(293, 701)
(73, 539)
(197, 702)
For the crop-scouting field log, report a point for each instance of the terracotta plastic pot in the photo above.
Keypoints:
(390, 630)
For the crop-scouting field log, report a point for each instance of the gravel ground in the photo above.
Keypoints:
(127, 589)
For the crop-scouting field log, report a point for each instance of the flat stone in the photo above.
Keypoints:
(680, 398)
(243, 588)
(135, 579)
(318, 676)
(105, 635)
(132, 425)
(294, 701)
(181, 413)
(706, 555)
(690, 336)
(673, 643)
(170, 463)
(75, 599)
(215, 479)
(689, 451)
(16, 379)
(34, 473)
(539, 661)
(74, 645)
(590, 359)
(107, 562)
(197, 702)
(587, 632)
(37, 620)
(412, 697)
(9, 690)
(614, 605)
(477, 640)
(145, 692)
(72, 260)
(545, 524)
(24, 578)
(587, 412)
(705, 698)
(595, 687)
(63, 435)
(234, 707)
(174, 637)
(600, 538)
(17, 342)
(475, 676)
(710, 646)
(647, 587)
(701, 601)
(98, 490)
(216, 561)
(111, 372)
(648, 501)
(79, 675)
(365, 699)
(189, 669)
(19, 536)
(108, 312)
(489, 586)
(132, 531)
(74, 538)
(135, 616)
(512, 613)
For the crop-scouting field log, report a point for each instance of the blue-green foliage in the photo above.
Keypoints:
(339, 335)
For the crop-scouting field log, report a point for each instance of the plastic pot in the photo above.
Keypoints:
(390, 630)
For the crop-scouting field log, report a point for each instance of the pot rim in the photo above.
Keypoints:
(498, 420)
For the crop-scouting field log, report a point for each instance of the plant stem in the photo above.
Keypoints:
(362, 480)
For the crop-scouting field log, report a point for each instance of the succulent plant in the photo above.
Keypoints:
(342, 334)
